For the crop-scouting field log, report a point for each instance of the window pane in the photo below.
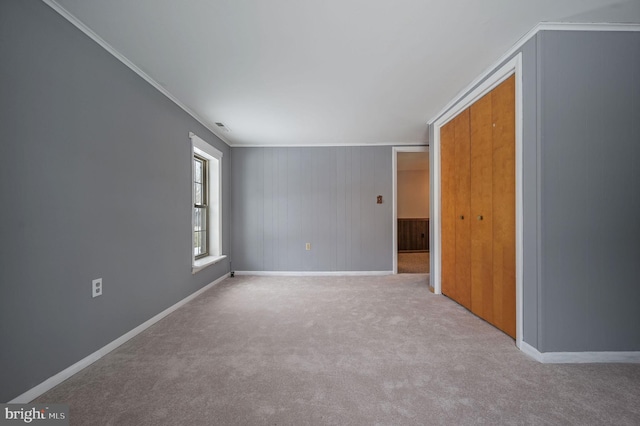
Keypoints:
(198, 193)
(200, 219)
(203, 219)
(201, 197)
(203, 242)
(196, 219)
(198, 171)
(200, 231)
(196, 244)
(199, 243)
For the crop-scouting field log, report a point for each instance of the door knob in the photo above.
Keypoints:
(462, 217)
(480, 217)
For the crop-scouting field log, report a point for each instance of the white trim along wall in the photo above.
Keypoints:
(579, 357)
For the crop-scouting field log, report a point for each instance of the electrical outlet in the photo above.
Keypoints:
(96, 287)
(308, 246)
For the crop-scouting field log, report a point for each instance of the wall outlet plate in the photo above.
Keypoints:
(308, 246)
(96, 287)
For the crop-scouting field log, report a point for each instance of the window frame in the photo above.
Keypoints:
(213, 157)
(204, 205)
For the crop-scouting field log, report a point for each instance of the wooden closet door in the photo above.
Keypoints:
(482, 208)
(504, 204)
(478, 207)
(448, 209)
(463, 208)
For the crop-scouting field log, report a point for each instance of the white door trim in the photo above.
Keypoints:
(514, 66)
(394, 168)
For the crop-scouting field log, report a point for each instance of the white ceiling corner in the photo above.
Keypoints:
(332, 72)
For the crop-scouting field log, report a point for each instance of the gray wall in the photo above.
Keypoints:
(581, 186)
(590, 158)
(283, 198)
(95, 173)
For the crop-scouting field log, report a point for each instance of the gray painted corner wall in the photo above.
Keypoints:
(590, 210)
(283, 198)
(95, 181)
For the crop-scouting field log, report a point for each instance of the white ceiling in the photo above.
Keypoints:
(331, 72)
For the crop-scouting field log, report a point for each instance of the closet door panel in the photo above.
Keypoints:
(463, 209)
(504, 256)
(482, 209)
(448, 208)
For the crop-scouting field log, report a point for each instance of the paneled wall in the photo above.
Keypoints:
(590, 205)
(283, 198)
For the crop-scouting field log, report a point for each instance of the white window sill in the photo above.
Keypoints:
(200, 264)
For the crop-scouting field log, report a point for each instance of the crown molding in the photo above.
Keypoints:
(113, 51)
(542, 26)
(327, 145)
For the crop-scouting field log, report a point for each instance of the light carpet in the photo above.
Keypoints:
(338, 351)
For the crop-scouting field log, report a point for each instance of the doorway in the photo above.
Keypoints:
(411, 210)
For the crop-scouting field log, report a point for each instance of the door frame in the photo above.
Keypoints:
(394, 168)
(512, 67)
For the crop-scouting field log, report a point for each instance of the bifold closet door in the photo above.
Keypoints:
(456, 207)
(477, 157)
(504, 207)
(462, 171)
(482, 208)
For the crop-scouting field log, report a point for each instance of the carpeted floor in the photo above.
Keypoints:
(338, 351)
(413, 263)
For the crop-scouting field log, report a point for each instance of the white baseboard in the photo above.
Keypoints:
(579, 357)
(53, 381)
(312, 273)
(530, 351)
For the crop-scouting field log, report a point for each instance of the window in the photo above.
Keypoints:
(206, 196)
(200, 207)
